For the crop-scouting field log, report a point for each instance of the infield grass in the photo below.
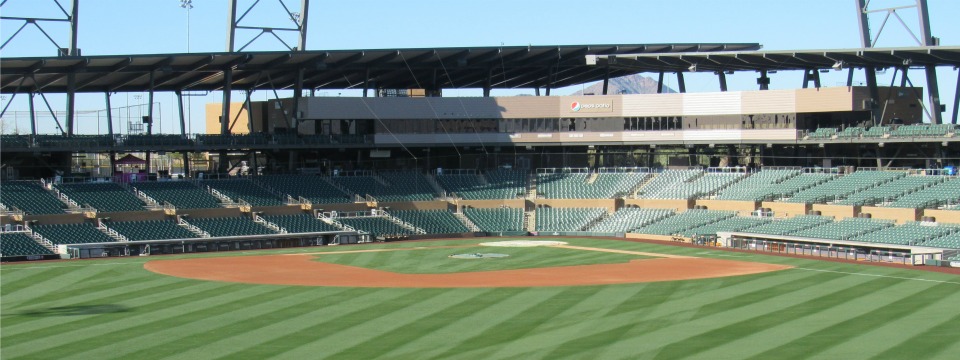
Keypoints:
(114, 309)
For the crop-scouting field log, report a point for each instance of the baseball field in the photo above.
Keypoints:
(594, 298)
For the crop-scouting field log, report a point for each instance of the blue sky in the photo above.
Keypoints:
(160, 26)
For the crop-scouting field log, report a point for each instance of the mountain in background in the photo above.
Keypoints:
(630, 84)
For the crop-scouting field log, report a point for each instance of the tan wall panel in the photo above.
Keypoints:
(209, 213)
(649, 237)
(838, 212)
(56, 219)
(213, 112)
(283, 210)
(742, 207)
(944, 216)
(416, 205)
(769, 102)
(653, 105)
(675, 205)
(134, 215)
(522, 107)
(609, 204)
(342, 207)
(485, 204)
(714, 103)
(900, 215)
(786, 210)
(824, 99)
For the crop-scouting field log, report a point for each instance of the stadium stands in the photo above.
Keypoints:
(757, 186)
(945, 193)
(30, 197)
(298, 223)
(947, 241)
(151, 230)
(432, 221)
(377, 226)
(845, 229)
(736, 223)
(917, 130)
(103, 196)
(311, 187)
(686, 220)
(392, 186)
(705, 185)
(845, 185)
(20, 244)
(566, 219)
(912, 233)
(823, 133)
(585, 185)
(496, 219)
(72, 233)
(627, 219)
(181, 194)
(495, 184)
(790, 225)
(246, 190)
(665, 180)
(890, 190)
(230, 226)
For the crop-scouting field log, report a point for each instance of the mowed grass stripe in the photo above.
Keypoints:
(49, 282)
(107, 282)
(934, 341)
(78, 331)
(840, 326)
(811, 328)
(513, 302)
(666, 333)
(276, 332)
(16, 320)
(175, 333)
(412, 311)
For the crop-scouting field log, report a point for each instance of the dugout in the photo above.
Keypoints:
(211, 244)
(839, 249)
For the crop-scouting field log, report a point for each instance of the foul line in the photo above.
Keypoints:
(883, 276)
(383, 250)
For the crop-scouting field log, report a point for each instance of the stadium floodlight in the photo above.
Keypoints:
(693, 67)
(186, 4)
(838, 65)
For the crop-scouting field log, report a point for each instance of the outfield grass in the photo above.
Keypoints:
(437, 261)
(113, 308)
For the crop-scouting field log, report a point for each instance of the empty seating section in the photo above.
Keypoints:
(876, 131)
(823, 133)
(20, 244)
(229, 226)
(181, 194)
(789, 225)
(912, 233)
(377, 226)
(432, 221)
(948, 241)
(945, 193)
(667, 179)
(757, 186)
(850, 132)
(30, 197)
(246, 190)
(566, 219)
(72, 233)
(151, 230)
(841, 187)
(311, 187)
(392, 186)
(917, 130)
(686, 220)
(105, 197)
(846, 229)
(496, 219)
(736, 223)
(583, 185)
(300, 223)
(707, 184)
(495, 184)
(891, 190)
(628, 219)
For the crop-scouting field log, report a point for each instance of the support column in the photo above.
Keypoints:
(106, 96)
(933, 95)
(225, 114)
(297, 95)
(488, 83)
(606, 80)
(71, 101)
(763, 80)
(682, 86)
(956, 99)
(249, 109)
(183, 132)
(149, 121)
(231, 23)
(660, 83)
(549, 80)
(304, 11)
(903, 77)
(723, 80)
(871, 74)
(366, 82)
(33, 118)
(536, 90)
(850, 76)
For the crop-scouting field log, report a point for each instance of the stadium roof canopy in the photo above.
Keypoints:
(476, 67)
(782, 60)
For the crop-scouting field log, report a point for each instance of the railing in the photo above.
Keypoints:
(193, 228)
(269, 225)
(223, 198)
(111, 232)
(42, 240)
(152, 203)
(402, 223)
(74, 207)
